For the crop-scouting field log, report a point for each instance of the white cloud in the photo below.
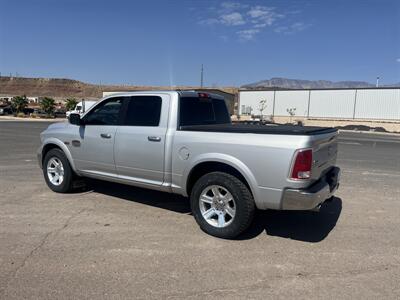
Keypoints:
(299, 26)
(259, 11)
(210, 21)
(232, 6)
(248, 34)
(293, 28)
(232, 19)
(260, 25)
(263, 16)
(256, 18)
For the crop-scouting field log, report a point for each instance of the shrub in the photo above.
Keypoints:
(20, 115)
(70, 103)
(19, 103)
(48, 105)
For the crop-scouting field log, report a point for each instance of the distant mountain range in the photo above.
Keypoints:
(286, 83)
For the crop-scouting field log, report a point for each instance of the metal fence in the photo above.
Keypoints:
(375, 103)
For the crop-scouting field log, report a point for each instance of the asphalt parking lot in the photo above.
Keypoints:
(115, 241)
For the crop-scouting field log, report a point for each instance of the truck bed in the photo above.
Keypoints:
(261, 129)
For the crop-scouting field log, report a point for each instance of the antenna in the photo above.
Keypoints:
(201, 76)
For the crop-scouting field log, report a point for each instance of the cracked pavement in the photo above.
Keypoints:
(114, 241)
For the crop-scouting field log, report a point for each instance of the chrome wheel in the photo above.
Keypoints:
(217, 206)
(55, 171)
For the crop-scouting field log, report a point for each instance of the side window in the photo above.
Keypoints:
(143, 111)
(202, 111)
(106, 113)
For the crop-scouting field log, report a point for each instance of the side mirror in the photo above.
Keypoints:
(75, 119)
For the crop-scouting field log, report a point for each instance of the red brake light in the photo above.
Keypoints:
(203, 95)
(302, 165)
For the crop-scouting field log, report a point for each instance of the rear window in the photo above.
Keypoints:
(143, 111)
(202, 111)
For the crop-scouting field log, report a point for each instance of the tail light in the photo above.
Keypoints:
(203, 95)
(301, 168)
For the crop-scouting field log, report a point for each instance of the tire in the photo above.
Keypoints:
(219, 222)
(53, 159)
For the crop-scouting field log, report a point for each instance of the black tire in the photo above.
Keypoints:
(66, 184)
(243, 199)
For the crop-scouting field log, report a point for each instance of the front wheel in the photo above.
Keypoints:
(222, 205)
(57, 171)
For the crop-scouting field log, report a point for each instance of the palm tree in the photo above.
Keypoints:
(48, 105)
(19, 103)
(70, 103)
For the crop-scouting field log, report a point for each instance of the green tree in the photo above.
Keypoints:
(48, 105)
(19, 103)
(70, 103)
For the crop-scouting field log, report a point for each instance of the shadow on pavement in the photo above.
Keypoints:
(304, 226)
(168, 201)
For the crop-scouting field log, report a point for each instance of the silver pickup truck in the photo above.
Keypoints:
(184, 143)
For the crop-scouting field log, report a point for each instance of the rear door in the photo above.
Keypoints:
(93, 146)
(139, 148)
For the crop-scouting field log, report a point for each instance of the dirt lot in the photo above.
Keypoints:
(113, 241)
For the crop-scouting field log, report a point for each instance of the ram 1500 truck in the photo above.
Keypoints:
(183, 142)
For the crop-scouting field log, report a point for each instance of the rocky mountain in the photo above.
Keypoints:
(63, 88)
(286, 83)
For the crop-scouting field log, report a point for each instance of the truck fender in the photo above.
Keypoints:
(64, 148)
(226, 159)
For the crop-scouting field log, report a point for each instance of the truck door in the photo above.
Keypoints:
(140, 140)
(92, 147)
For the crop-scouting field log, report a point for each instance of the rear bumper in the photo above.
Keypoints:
(310, 198)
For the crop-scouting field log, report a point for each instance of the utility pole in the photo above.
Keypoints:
(201, 76)
(377, 81)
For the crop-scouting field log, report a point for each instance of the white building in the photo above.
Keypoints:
(361, 103)
(32, 100)
(9, 98)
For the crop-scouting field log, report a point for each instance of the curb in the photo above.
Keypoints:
(15, 119)
(397, 134)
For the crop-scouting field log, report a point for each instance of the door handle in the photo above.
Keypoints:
(105, 135)
(154, 138)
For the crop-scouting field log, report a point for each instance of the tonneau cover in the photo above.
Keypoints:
(261, 129)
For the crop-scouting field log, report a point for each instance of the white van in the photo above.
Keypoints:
(81, 107)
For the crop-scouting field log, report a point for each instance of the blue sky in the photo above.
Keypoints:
(165, 42)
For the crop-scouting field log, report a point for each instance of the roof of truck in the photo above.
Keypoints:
(181, 93)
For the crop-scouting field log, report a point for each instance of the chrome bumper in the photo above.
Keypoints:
(310, 198)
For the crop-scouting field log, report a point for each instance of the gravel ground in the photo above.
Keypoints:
(113, 241)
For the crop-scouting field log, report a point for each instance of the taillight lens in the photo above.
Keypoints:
(203, 95)
(302, 165)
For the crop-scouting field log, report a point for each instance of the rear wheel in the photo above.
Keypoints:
(222, 205)
(57, 171)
